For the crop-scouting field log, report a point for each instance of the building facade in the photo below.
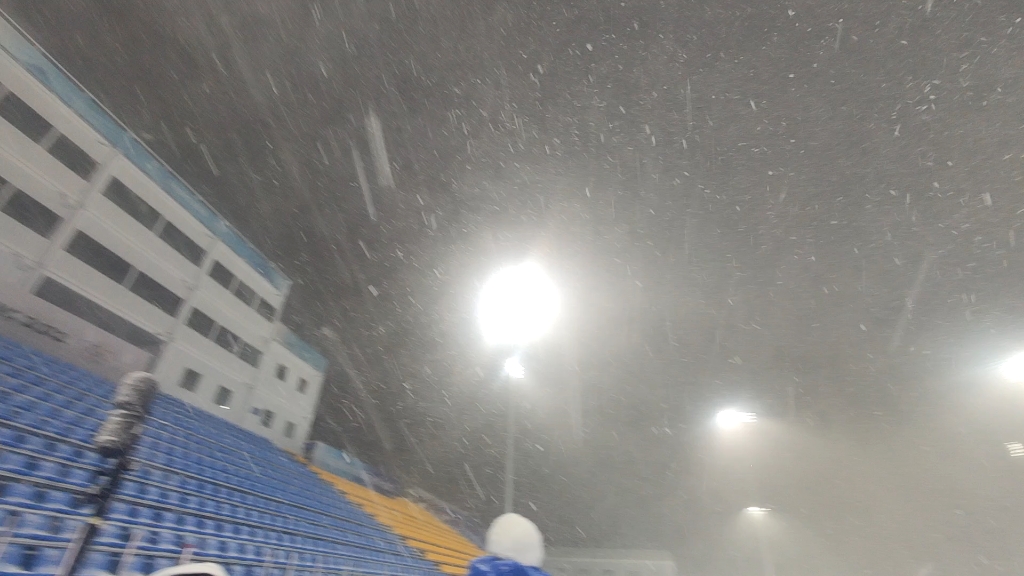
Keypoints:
(109, 260)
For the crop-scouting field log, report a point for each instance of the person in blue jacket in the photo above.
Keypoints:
(514, 546)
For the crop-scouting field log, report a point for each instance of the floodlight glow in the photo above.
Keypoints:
(518, 304)
(757, 510)
(1013, 368)
(514, 368)
(731, 418)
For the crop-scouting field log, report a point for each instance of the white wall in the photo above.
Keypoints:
(178, 357)
(33, 322)
(284, 398)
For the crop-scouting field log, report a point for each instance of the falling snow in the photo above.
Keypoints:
(807, 209)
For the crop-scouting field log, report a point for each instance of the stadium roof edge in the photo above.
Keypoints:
(33, 58)
(302, 350)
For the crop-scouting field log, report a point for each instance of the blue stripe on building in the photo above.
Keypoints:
(50, 74)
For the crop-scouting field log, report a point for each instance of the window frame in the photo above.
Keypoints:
(190, 384)
(267, 418)
(10, 193)
(227, 394)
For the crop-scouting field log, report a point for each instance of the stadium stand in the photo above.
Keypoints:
(437, 541)
(198, 483)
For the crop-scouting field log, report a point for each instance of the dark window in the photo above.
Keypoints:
(229, 341)
(200, 322)
(71, 155)
(74, 303)
(289, 429)
(31, 213)
(250, 355)
(266, 310)
(267, 418)
(303, 385)
(190, 380)
(130, 202)
(182, 244)
(244, 293)
(156, 294)
(98, 257)
(221, 275)
(282, 372)
(23, 117)
(223, 397)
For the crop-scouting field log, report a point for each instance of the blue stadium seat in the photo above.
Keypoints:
(120, 510)
(30, 560)
(57, 501)
(143, 564)
(21, 494)
(14, 462)
(48, 560)
(110, 534)
(100, 563)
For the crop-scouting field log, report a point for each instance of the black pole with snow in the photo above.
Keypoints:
(115, 439)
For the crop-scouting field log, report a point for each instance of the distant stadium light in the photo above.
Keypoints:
(730, 418)
(514, 368)
(1016, 449)
(1012, 368)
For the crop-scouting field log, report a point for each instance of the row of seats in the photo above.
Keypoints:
(182, 455)
(198, 482)
(21, 559)
(38, 467)
(181, 491)
(141, 515)
(30, 560)
(437, 542)
(18, 439)
(31, 497)
(216, 543)
(40, 525)
(59, 398)
(16, 462)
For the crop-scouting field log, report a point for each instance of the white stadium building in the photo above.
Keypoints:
(113, 263)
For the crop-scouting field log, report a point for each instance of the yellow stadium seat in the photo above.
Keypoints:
(436, 541)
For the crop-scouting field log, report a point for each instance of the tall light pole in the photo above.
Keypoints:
(517, 305)
(758, 514)
(515, 371)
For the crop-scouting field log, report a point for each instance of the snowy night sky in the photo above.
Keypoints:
(809, 209)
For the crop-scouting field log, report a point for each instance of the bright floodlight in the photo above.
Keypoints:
(1013, 368)
(517, 305)
(757, 510)
(730, 418)
(514, 368)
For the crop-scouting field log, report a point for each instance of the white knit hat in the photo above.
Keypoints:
(515, 537)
